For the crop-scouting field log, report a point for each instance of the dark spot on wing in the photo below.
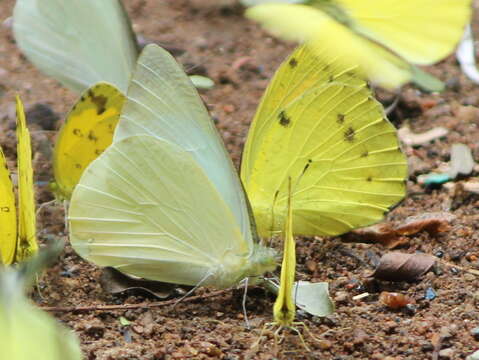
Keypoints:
(340, 119)
(369, 179)
(349, 134)
(92, 137)
(77, 132)
(293, 62)
(365, 154)
(98, 152)
(99, 101)
(78, 166)
(284, 120)
(331, 78)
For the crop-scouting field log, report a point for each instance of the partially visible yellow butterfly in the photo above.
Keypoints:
(284, 309)
(17, 237)
(87, 132)
(320, 123)
(381, 36)
(26, 331)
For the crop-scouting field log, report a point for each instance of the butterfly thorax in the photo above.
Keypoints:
(235, 268)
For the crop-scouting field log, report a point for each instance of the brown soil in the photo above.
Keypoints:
(213, 39)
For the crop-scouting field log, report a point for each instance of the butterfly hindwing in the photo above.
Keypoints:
(162, 102)
(136, 196)
(77, 42)
(87, 132)
(334, 138)
(27, 243)
(383, 38)
(8, 215)
(422, 32)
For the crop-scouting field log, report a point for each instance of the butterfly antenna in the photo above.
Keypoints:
(393, 105)
(65, 215)
(245, 313)
(43, 205)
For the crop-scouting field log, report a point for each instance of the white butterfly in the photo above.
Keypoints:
(164, 201)
(77, 42)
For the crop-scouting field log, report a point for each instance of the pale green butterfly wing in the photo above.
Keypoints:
(27, 332)
(335, 142)
(147, 208)
(162, 102)
(77, 42)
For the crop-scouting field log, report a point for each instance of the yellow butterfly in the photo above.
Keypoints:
(381, 36)
(284, 309)
(87, 132)
(17, 238)
(320, 123)
(20, 319)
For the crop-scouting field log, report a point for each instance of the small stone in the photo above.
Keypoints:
(446, 353)
(360, 337)
(324, 344)
(341, 297)
(390, 327)
(475, 333)
(311, 265)
(138, 329)
(469, 277)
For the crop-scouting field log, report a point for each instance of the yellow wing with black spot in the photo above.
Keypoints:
(8, 215)
(284, 308)
(330, 132)
(87, 132)
(27, 242)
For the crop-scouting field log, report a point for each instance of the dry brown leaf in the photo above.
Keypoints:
(392, 236)
(396, 266)
(114, 282)
(433, 223)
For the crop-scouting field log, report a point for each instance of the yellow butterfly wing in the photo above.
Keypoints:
(335, 138)
(8, 215)
(87, 132)
(27, 241)
(284, 308)
(332, 40)
(423, 32)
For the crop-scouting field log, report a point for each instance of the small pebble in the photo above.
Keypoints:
(324, 344)
(469, 277)
(430, 294)
(446, 353)
(341, 297)
(475, 333)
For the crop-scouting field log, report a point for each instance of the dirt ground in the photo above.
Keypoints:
(212, 38)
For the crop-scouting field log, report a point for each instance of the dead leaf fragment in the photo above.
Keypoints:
(462, 162)
(433, 223)
(393, 235)
(396, 266)
(409, 138)
(115, 282)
